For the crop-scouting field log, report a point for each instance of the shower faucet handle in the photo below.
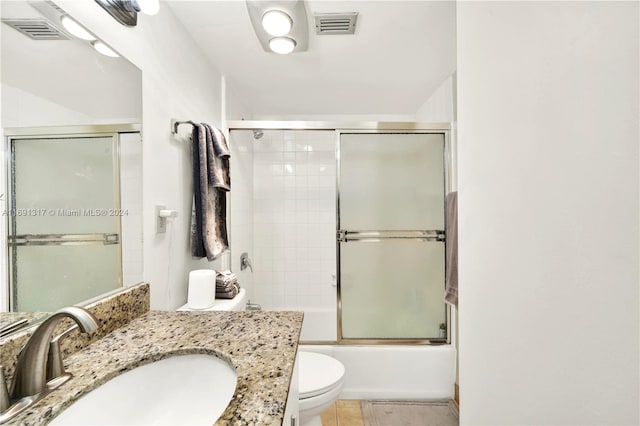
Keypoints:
(245, 262)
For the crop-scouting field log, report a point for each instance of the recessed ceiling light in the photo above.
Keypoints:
(76, 29)
(276, 22)
(282, 45)
(104, 49)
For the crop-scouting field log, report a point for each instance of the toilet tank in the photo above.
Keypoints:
(236, 304)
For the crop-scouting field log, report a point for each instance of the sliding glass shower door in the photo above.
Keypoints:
(64, 220)
(391, 246)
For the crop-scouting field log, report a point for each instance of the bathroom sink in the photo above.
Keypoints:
(192, 389)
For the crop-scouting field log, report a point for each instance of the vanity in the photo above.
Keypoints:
(260, 345)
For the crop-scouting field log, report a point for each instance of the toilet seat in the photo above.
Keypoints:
(318, 374)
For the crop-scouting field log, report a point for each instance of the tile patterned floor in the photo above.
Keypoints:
(343, 413)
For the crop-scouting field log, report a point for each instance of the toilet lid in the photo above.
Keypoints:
(317, 374)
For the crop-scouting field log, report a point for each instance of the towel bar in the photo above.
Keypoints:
(345, 236)
(175, 123)
(63, 239)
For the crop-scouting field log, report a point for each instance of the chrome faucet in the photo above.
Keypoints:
(39, 369)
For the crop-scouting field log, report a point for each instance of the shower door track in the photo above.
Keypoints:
(367, 127)
(336, 125)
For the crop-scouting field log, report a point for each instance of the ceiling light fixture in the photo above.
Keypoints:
(282, 45)
(276, 22)
(76, 29)
(280, 25)
(104, 49)
(126, 11)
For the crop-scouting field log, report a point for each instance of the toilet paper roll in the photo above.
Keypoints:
(202, 289)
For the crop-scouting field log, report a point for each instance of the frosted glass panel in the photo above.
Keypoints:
(392, 289)
(391, 285)
(391, 181)
(65, 275)
(62, 186)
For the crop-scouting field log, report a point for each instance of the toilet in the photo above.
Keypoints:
(320, 377)
(320, 381)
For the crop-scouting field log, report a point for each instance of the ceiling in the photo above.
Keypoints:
(400, 53)
(64, 71)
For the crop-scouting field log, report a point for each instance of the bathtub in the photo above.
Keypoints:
(382, 371)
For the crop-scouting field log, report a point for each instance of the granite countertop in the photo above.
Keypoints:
(261, 345)
(9, 319)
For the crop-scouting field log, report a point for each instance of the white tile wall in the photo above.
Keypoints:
(294, 219)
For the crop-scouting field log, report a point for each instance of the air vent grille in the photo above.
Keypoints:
(335, 23)
(36, 29)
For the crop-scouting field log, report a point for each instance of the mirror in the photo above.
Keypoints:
(60, 98)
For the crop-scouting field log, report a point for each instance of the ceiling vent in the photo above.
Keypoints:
(335, 23)
(36, 29)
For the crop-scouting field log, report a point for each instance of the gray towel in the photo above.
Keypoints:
(228, 293)
(197, 234)
(211, 182)
(451, 288)
(218, 159)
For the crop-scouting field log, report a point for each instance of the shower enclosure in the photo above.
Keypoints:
(64, 215)
(347, 223)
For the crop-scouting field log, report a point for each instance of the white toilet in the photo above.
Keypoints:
(320, 377)
(320, 381)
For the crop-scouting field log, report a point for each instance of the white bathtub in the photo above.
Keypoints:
(394, 371)
(383, 371)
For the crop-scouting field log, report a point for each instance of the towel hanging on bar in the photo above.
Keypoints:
(451, 283)
(211, 182)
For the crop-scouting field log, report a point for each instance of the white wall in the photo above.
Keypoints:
(30, 110)
(439, 107)
(63, 82)
(343, 118)
(548, 234)
(177, 82)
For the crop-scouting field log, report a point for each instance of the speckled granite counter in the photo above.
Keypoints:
(8, 319)
(261, 346)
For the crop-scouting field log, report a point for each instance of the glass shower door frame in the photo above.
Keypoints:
(432, 235)
(97, 131)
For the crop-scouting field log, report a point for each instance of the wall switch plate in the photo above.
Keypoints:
(161, 222)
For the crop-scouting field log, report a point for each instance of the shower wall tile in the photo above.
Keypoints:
(294, 219)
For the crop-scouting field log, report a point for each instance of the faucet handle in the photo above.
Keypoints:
(55, 367)
(245, 262)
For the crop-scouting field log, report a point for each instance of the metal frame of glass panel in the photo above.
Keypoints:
(60, 132)
(429, 236)
(366, 127)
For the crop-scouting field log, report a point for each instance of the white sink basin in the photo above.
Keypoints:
(179, 390)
